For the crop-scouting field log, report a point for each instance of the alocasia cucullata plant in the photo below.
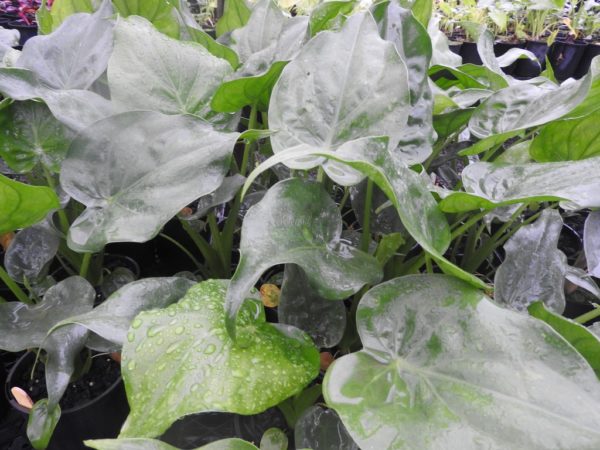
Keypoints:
(338, 155)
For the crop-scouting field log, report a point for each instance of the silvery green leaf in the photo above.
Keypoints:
(426, 378)
(8, 38)
(300, 306)
(30, 253)
(181, 360)
(534, 269)
(112, 318)
(41, 424)
(153, 444)
(591, 243)
(136, 170)
(592, 100)
(321, 429)
(489, 185)
(349, 108)
(161, 13)
(75, 55)
(32, 135)
(116, 279)
(297, 222)
(383, 220)
(595, 328)
(179, 77)
(442, 55)
(274, 439)
(582, 279)
(231, 185)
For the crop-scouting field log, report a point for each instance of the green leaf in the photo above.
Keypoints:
(568, 140)
(592, 100)
(224, 193)
(43, 18)
(492, 185)
(179, 77)
(297, 222)
(352, 108)
(161, 13)
(330, 14)
(584, 341)
(180, 360)
(41, 424)
(322, 428)
(442, 55)
(302, 307)
(23, 205)
(591, 243)
(422, 10)
(534, 268)
(447, 124)
(444, 367)
(488, 143)
(235, 15)
(220, 51)
(388, 246)
(62, 9)
(293, 407)
(274, 439)
(153, 444)
(147, 173)
(75, 55)
(112, 318)
(31, 135)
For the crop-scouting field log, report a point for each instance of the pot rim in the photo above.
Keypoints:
(15, 405)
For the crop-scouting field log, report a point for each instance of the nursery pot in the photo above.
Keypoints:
(455, 47)
(591, 51)
(530, 69)
(6, 18)
(101, 417)
(3, 400)
(469, 53)
(500, 48)
(27, 31)
(564, 58)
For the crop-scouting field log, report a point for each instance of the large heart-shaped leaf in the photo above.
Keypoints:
(348, 108)
(136, 170)
(76, 54)
(591, 243)
(534, 268)
(180, 360)
(153, 444)
(31, 135)
(489, 185)
(568, 140)
(112, 318)
(297, 222)
(23, 205)
(324, 320)
(179, 77)
(160, 12)
(322, 428)
(444, 367)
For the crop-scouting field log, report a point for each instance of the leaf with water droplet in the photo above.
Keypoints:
(203, 369)
(445, 367)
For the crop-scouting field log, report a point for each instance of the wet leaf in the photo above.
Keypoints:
(534, 268)
(568, 140)
(591, 243)
(160, 12)
(425, 378)
(297, 222)
(179, 77)
(23, 205)
(31, 252)
(112, 318)
(30, 136)
(274, 439)
(116, 279)
(584, 341)
(321, 429)
(129, 201)
(352, 108)
(153, 444)
(301, 306)
(235, 15)
(181, 360)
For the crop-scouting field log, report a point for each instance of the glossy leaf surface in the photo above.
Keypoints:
(444, 367)
(160, 12)
(187, 349)
(591, 243)
(301, 306)
(346, 108)
(297, 222)
(321, 429)
(153, 444)
(134, 171)
(534, 268)
(22, 205)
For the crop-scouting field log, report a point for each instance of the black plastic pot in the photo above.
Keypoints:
(500, 48)
(530, 69)
(469, 53)
(27, 31)
(3, 400)
(99, 418)
(564, 58)
(591, 51)
(455, 47)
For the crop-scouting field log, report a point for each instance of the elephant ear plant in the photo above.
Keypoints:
(412, 209)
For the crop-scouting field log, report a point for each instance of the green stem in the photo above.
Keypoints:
(14, 287)
(428, 263)
(205, 249)
(365, 238)
(252, 125)
(468, 224)
(216, 237)
(62, 215)
(85, 265)
(344, 199)
(184, 250)
(593, 314)
(320, 175)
